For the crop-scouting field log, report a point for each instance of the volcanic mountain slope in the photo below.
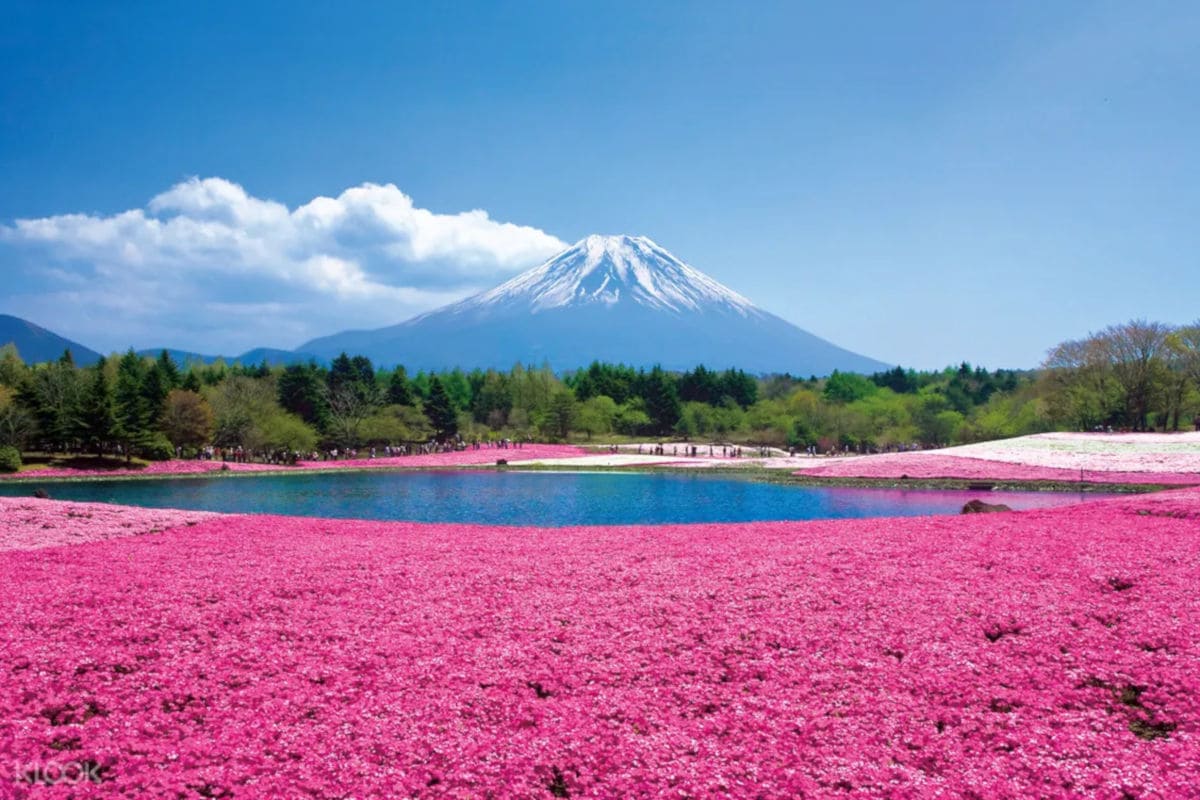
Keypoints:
(609, 298)
(35, 344)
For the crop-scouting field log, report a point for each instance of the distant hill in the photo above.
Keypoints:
(180, 357)
(273, 356)
(36, 344)
(621, 299)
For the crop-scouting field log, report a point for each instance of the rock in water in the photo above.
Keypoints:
(980, 507)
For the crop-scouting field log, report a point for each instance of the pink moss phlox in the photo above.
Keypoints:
(29, 523)
(920, 465)
(485, 455)
(196, 467)
(1035, 654)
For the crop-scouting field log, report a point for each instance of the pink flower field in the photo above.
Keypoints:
(485, 455)
(1168, 459)
(157, 468)
(1036, 654)
(925, 465)
(1119, 452)
(433, 460)
(27, 524)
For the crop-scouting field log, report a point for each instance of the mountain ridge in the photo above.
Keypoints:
(274, 356)
(36, 344)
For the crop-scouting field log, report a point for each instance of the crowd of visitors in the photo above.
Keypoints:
(686, 450)
(241, 455)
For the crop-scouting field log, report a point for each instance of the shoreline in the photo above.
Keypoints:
(749, 472)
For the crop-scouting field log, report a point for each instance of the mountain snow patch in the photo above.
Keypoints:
(607, 270)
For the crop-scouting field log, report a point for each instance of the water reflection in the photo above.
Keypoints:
(535, 498)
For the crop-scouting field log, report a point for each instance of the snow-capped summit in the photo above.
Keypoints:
(611, 269)
(620, 299)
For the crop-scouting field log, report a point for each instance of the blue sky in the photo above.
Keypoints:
(920, 182)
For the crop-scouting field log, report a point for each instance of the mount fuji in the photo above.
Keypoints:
(620, 299)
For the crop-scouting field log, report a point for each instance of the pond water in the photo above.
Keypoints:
(532, 498)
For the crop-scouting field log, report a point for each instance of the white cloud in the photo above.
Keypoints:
(368, 257)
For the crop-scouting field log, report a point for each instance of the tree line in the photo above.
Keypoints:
(1133, 376)
(1138, 376)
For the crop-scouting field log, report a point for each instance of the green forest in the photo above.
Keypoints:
(1134, 376)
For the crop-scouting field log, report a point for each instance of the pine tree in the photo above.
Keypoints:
(399, 393)
(354, 375)
(156, 385)
(662, 400)
(341, 373)
(439, 410)
(300, 392)
(170, 373)
(133, 416)
(98, 413)
(51, 392)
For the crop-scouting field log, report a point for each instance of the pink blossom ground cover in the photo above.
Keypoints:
(28, 523)
(173, 467)
(1119, 452)
(197, 467)
(1038, 654)
(932, 465)
(528, 452)
(1170, 458)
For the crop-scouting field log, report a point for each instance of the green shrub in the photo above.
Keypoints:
(10, 459)
(158, 449)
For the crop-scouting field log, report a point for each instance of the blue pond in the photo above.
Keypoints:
(531, 498)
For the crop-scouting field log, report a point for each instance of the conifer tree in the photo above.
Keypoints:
(133, 416)
(169, 371)
(98, 413)
(662, 400)
(440, 411)
(399, 392)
